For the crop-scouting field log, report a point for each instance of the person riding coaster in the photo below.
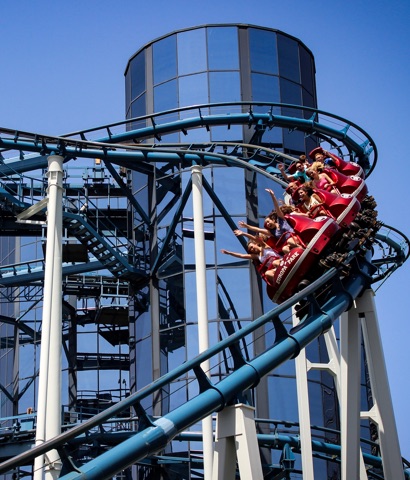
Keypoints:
(342, 208)
(352, 184)
(300, 263)
(329, 159)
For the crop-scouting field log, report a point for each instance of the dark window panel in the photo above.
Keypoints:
(265, 88)
(138, 81)
(290, 93)
(306, 69)
(288, 58)
(138, 108)
(294, 143)
(164, 62)
(165, 96)
(127, 90)
(307, 101)
(263, 52)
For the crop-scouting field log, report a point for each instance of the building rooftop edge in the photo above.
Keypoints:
(195, 27)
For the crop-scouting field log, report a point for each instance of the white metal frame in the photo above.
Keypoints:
(202, 305)
(236, 441)
(49, 387)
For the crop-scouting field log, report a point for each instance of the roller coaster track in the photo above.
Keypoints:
(358, 144)
(154, 434)
(328, 297)
(158, 433)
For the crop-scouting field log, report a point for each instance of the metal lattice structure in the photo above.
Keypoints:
(106, 259)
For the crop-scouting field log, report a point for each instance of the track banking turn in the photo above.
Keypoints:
(345, 252)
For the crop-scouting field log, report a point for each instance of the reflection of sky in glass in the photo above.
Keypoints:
(193, 90)
(225, 134)
(165, 96)
(283, 404)
(229, 186)
(164, 59)
(138, 75)
(223, 48)
(265, 88)
(224, 87)
(144, 357)
(191, 51)
(236, 293)
(178, 394)
(138, 108)
(288, 58)
(262, 45)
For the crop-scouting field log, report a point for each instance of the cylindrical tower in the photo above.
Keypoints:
(208, 65)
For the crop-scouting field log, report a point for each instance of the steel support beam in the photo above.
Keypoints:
(49, 390)
(202, 305)
(382, 411)
(236, 440)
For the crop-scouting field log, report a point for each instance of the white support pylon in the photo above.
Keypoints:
(49, 387)
(303, 410)
(236, 440)
(350, 345)
(382, 412)
(333, 368)
(202, 305)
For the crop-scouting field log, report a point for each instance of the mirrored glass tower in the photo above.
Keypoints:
(214, 67)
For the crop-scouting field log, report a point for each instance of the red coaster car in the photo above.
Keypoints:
(347, 168)
(299, 263)
(342, 208)
(352, 185)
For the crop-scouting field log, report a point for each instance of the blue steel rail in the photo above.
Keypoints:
(154, 435)
(212, 397)
(358, 145)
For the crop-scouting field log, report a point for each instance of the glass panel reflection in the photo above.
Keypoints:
(224, 87)
(262, 46)
(138, 75)
(224, 134)
(229, 186)
(165, 96)
(288, 58)
(193, 90)
(127, 90)
(290, 93)
(191, 51)
(265, 88)
(144, 357)
(138, 109)
(234, 293)
(307, 70)
(283, 404)
(223, 48)
(164, 59)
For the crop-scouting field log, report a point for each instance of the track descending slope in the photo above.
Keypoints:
(338, 297)
(325, 299)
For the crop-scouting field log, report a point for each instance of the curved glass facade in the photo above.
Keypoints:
(205, 65)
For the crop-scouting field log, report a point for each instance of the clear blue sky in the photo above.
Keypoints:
(62, 66)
